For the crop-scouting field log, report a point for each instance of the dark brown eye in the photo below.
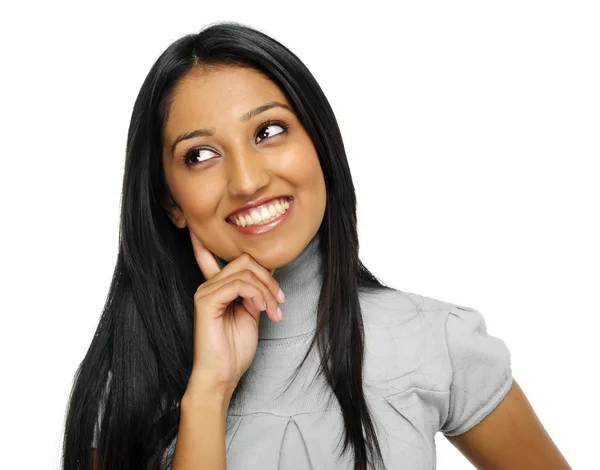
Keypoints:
(193, 156)
(265, 131)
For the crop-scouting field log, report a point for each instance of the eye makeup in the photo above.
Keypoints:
(192, 153)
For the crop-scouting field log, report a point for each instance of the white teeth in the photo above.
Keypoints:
(256, 218)
(265, 215)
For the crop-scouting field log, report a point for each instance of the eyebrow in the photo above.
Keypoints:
(244, 117)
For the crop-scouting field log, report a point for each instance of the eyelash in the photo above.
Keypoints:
(187, 153)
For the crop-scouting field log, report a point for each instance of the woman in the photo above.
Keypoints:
(237, 205)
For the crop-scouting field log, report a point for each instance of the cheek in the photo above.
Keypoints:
(309, 174)
(198, 197)
(301, 166)
(309, 181)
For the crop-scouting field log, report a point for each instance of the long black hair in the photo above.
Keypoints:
(144, 340)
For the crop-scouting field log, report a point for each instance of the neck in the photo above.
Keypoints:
(301, 281)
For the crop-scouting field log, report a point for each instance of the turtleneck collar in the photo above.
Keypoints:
(301, 281)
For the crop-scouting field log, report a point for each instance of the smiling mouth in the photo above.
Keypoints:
(262, 214)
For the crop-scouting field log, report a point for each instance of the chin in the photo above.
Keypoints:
(272, 261)
(277, 254)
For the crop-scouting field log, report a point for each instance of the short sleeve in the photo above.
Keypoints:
(481, 370)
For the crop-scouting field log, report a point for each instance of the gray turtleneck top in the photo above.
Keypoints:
(429, 367)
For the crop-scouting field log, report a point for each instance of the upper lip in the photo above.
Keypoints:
(255, 203)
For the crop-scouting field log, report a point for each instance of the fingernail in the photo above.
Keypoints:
(280, 296)
(279, 314)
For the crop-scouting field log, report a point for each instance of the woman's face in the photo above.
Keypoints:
(222, 150)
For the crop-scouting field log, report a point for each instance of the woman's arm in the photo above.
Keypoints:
(201, 435)
(510, 437)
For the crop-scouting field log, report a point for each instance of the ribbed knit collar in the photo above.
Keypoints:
(301, 281)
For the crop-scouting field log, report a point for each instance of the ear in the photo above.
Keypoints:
(174, 213)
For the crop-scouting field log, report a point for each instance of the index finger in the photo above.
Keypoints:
(204, 257)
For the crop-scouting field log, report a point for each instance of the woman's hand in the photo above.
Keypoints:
(225, 331)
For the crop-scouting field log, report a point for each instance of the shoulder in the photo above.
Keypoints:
(387, 310)
(393, 307)
(405, 345)
(432, 339)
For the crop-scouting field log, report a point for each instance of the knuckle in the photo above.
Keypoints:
(199, 301)
(272, 284)
(199, 293)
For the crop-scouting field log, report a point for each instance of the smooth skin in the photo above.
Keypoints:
(245, 159)
(511, 437)
(225, 343)
(242, 160)
(226, 332)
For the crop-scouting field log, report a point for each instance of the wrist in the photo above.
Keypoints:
(205, 392)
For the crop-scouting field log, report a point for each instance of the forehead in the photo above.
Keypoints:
(205, 96)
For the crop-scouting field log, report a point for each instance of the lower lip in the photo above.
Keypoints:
(262, 228)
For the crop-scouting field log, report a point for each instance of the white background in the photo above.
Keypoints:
(472, 131)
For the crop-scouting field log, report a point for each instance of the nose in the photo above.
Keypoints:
(246, 174)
